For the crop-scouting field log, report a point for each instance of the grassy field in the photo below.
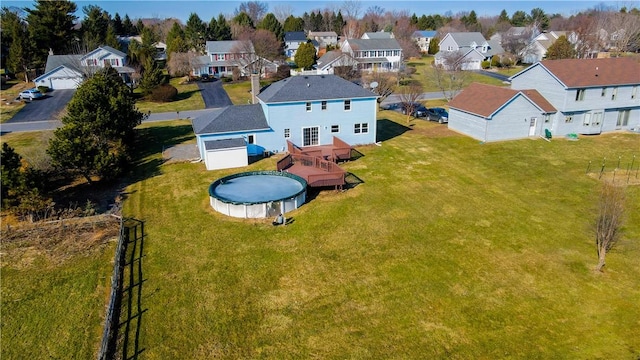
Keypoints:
(8, 94)
(189, 98)
(449, 249)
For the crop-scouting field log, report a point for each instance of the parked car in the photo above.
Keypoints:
(30, 94)
(417, 109)
(391, 106)
(206, 78)
(438, 114)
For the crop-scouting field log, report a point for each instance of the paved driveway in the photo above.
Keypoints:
(494, 75)
(44, 109)
(214, 95)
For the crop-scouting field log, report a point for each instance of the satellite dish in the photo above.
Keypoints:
(373, 85)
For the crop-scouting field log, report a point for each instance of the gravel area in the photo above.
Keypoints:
(180, 153)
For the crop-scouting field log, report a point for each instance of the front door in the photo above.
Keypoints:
(310, 136)
(532, 126)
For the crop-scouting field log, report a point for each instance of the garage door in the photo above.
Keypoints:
(64, 83)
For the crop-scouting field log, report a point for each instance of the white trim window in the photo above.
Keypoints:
(361, 128)
(308, 106)
(580, 94)
(335, 128)
(347, 105)
(324, 105)
(287, 133)
(614, 93)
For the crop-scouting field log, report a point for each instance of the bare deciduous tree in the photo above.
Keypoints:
(517, 42)
(623, 27)
(609, 220)
(449, 76)
(386, 83)
(255, 9)
(351, 9)
(181, 64)
(409, 96)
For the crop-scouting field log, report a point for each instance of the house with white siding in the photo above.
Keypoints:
(537, 49)
(569, 96)
(375, 54)
(305, 110)
(467, 50)
(224, 56)
(423, 39)
(69, 71)
(324, 38)
(292, 41)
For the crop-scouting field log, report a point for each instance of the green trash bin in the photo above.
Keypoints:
(547, 134)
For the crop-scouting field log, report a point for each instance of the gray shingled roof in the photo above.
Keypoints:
(226, 47)
(295, 36)
(374, 44)
(114, 51)
(378, 35)
(73, 62)
(224, 144)
(464, 39)
(313, 87)
(235, 118)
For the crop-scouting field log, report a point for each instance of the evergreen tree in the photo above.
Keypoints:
(504, 17)
(51, 26)
(117, 24)
(111, 38)
(15, 38)
(127, 26)
(270, 23)
(223, 30)
(139, 27)
(175, 40)
(94, 26)
(10, 163)
(195, 32)
(540, 19)
(98, 129)
(561, 49)
(434, 46)
(414, 20)
(211, 29)
(519, 18)
(293, 23)
(305, 56)
(243, 19)
(338, 24)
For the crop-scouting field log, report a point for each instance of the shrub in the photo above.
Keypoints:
(485, 64)
(495, 62)
(43, 89)
(163, 93)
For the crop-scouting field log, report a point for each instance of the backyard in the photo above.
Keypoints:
(449, 249)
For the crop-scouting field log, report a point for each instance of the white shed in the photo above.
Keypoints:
(225, 153)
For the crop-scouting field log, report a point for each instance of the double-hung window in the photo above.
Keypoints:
(347, 105)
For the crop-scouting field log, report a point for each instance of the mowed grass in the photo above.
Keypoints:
(188, 98)
(449, 249)
(8, 94)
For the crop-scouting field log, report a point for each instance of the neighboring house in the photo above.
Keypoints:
(292, 41)
(423, 38)
(468, 49)
(375, 54)
(332, 59)
(305, 110)
(492, 113)
(161, 48)
(537, 49)
(69, 71)
(377, 35)
(223, 56)
(571, 96)
(324, 38)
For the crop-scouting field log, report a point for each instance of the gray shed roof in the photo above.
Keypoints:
(374, 44)
(236, 118)
(224, 144)
(313, 87)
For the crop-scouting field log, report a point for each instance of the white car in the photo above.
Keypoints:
(30, 94)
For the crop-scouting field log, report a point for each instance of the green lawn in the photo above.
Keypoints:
(449, 249)
(239, 93)
(9, 106)
(189, 98)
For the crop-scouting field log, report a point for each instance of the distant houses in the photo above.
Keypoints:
(556, 97)
(466, 50)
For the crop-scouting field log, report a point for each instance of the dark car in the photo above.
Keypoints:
(417, 109)
(206, 78)
(391, 106)
(438, 114)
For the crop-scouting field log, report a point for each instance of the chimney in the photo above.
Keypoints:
(255, 87)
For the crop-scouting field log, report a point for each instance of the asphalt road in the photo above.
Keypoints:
(214, 95)
(43, 109)
(493, 75)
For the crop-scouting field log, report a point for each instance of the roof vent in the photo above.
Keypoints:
(308, 85)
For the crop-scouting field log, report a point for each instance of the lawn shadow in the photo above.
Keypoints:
(186, 95)
(388, 130)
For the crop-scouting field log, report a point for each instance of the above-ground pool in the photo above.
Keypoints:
(257, 194)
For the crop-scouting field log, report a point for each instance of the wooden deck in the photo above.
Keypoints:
(316, 164)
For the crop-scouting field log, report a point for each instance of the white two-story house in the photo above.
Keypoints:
(556, 97)
(223, 56)
(466, 50)
(375, 54)
(69, 71)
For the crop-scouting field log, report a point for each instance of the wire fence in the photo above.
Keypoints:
(108, 344)
(618, 171)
